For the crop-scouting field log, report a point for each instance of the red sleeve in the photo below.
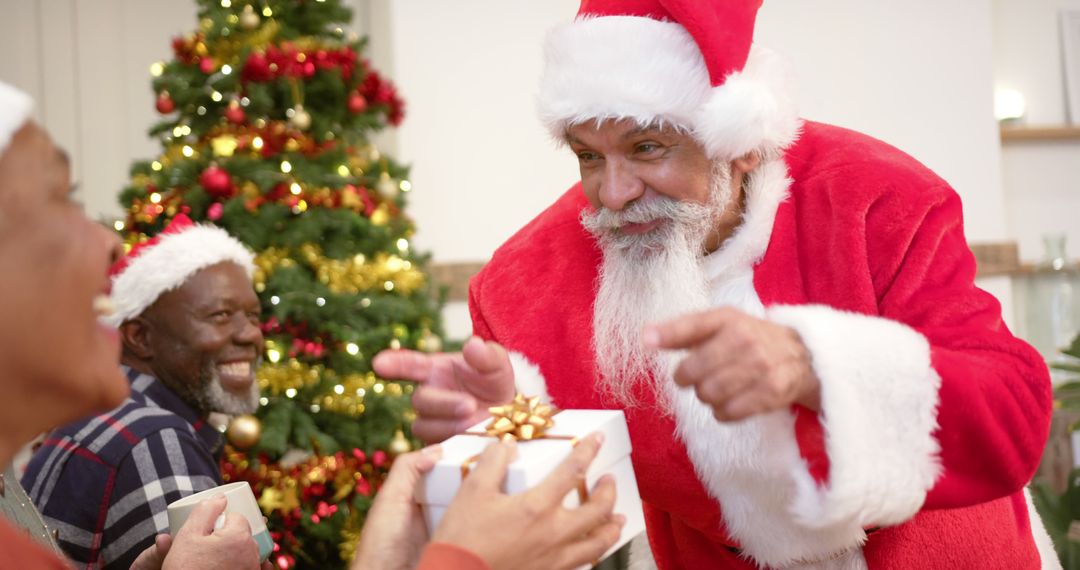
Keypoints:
(443, 556)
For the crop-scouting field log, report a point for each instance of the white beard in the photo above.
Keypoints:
(649, 278)
(214, 398)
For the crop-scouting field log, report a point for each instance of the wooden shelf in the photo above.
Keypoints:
(1041, 133)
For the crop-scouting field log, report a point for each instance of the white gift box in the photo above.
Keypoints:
(538, 458)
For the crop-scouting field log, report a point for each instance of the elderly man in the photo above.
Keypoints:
(188, 321)
(785, 309)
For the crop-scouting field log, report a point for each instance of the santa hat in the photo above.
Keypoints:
(15, 108)
(167, 261)
(686, 63)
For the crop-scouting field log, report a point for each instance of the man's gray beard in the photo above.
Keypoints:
(649, 278)
(211, 397)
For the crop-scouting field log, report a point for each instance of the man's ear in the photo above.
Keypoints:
(746, 163)
(135, 334)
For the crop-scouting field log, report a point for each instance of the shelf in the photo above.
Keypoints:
(1040, 133)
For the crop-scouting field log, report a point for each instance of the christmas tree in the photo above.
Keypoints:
(267, 113)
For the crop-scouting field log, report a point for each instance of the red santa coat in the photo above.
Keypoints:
(933, 415)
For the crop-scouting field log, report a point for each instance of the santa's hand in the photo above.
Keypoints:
(737, 364)
(455, 389)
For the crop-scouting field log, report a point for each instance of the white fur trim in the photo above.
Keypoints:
(641, 556)
(879, 398)
(168, 264)
(1047, 555)
(15, 109)
(619, 67)
(767, 189)
(528, 379)
(747, 466)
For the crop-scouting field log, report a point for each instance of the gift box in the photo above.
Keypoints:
(539, 457)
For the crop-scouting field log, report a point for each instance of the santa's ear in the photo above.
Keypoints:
(746, 163)
(135, 334)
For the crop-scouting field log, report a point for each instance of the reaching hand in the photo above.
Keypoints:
(394, 532)
(532, 530)
(737, 364)
(455, 389)
(200, 546)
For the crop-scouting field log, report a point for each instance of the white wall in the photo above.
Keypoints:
(1042, 179)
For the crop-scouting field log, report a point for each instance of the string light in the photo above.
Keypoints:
(216, 96)
(274, 299)
(226, 3)
(273, 355)
(403, 245)
(155, 166)
(157, 68)
(290, 393)
(294, 187)
(320, 301)
(406, 186)
(155, 198)
(118, 225)
(286, 166)
(343, 170)
(351, 348)
(264, 401)
(267, 12)
(257, 143)
(188, 151)
(339, 389)
(226, 69)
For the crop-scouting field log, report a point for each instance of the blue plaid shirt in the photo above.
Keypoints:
(103, 483)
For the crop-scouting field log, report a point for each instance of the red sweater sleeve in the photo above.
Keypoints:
(443, 556)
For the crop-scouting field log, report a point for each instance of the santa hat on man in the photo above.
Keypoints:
(167, 261)
(687, 63)
(15, 109)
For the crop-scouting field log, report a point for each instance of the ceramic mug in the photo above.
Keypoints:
(241, 500)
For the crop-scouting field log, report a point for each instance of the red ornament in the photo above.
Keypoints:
(235, 114)
(215, 211)
(207, 65)
(165, 104)
(357, 103)
(257, 68)
(216, 181)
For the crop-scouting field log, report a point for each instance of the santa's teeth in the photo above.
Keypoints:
(103, 306)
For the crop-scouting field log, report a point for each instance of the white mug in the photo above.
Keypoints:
(241, 500)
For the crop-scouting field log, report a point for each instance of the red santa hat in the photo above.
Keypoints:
(167, 261)
(687, 63)
(15, 109)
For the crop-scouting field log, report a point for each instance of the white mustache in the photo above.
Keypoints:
(604, 220)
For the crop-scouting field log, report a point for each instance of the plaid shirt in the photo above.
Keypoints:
(104, 482)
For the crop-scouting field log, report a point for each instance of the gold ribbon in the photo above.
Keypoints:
(523, 419)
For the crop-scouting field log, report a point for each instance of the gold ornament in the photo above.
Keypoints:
(399, 445)
(429, 342)
(300, 118)
(381, 215)
(249, 20)
(523, 419)
(387, 187)
(224, 145)
(244, 431)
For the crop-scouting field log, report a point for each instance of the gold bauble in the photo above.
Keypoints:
(429, 342)
(300, 118)
(244, 431)
(399, 444)
(224, 145)
(249, 20)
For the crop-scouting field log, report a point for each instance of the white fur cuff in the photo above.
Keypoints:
(879, 398)
(528, 379)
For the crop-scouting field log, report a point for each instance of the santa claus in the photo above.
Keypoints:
(784, 309)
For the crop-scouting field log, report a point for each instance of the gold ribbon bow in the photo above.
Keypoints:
(523, 419)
